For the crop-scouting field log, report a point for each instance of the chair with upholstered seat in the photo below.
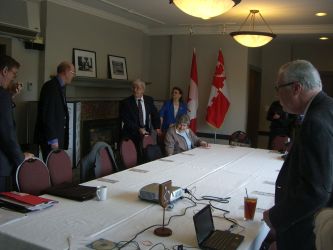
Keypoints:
(32, 177)
(239, 138)
(280, 143)
(106, 166)
(147, 140)
(100, 161)
(60, 167)
(128, 153)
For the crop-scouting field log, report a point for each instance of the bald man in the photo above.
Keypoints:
(51, 130)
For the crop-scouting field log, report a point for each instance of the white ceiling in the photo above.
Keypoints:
(290, 18)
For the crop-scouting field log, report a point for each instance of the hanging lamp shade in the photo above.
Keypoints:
(252, 38)
(205, 9)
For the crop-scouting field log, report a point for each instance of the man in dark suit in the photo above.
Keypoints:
(52, 123)
(281, 122)
(304, 184)
(137, 113)
(11, 155)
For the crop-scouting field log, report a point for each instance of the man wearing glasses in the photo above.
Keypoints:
(51, 130)
(11, 155)
(304, 184)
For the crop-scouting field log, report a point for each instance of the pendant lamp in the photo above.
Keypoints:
(205, 9)
(252, 38)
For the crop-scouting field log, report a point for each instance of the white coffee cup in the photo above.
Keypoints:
(101, 193)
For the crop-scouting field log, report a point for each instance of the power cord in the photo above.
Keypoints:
(211, 199)
(156, 225)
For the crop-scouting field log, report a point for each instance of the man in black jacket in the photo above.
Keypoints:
(304, 184)
(137, 113)
(52, 123)
(11, 155)
(281, 122)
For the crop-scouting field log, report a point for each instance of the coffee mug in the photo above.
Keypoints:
(101, 193)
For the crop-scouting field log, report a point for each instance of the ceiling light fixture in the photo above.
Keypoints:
(252, 38)
(205, 9)
(321, 14)
(323, 38)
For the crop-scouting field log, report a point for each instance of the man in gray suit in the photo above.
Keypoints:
(304, 184)
(10, 152)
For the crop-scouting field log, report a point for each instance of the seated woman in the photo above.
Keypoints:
(172, 109)
(180, 138)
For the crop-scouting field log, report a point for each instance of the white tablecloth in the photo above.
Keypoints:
(221, 171)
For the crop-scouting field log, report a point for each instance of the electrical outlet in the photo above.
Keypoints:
(29, 86)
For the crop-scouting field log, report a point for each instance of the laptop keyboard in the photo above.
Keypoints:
(223, 240)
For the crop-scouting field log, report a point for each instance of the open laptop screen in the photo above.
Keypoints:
(203, 223)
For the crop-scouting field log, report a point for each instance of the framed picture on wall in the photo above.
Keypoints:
(117, 67)
(84, 62)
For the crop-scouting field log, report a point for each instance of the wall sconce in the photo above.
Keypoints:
(205, 9)
(252, 38)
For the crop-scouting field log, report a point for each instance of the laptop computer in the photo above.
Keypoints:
(209, 238)
(72, 192)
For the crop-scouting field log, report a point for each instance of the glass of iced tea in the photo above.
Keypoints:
(250, 204)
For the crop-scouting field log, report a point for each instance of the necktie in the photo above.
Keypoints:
(140, 113)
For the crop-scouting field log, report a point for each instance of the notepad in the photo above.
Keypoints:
(23, 202)
(107, 180)
(26, 198)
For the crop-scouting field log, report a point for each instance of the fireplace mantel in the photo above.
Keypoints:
(89, 82)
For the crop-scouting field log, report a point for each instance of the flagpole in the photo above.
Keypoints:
(218, 103)
(215, 136)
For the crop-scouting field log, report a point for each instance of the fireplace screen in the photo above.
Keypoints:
(106, 130)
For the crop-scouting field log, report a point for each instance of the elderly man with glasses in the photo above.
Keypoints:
(304, 184)
(52, 123)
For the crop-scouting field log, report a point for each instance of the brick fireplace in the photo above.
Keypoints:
(99, 122)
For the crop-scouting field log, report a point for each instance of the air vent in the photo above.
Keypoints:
(19, 18)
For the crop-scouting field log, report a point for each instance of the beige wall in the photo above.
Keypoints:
(159, 67)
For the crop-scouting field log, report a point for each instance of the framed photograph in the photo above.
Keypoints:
(84, 62)
(117, 67)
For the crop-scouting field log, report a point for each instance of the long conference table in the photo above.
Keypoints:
(220, 170)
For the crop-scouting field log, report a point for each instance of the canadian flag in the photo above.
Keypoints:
(218, 103)
(192, 101)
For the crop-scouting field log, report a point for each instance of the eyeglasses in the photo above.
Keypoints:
(283, 85)
(14, 71)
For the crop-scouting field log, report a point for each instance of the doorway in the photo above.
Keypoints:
(2, 49)
(253, 104)
(327, 81)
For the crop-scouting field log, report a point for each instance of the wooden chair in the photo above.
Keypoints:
(32, 177)
(60, 167)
